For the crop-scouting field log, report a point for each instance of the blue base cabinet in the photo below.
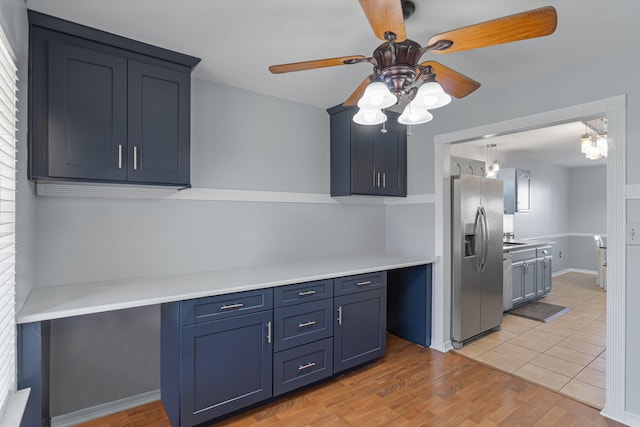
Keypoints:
(361, 320)
(224, 353)
(216, 356)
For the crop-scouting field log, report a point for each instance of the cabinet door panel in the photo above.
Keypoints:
(87, 113)
(360, 328)
(158, 124)
(302, 323)
(529, 280)
(518, 283)
(362, 160)
(226, 364)
(389, 150)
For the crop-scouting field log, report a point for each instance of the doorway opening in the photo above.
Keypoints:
(614, 109)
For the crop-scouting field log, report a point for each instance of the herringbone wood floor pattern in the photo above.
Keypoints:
(410, 386)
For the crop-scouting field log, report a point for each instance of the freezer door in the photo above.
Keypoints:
(467, 249)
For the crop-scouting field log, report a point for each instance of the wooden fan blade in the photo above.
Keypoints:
(357, 94)
(383, 16)
(309, 65)
(452, 82)
(526, 25)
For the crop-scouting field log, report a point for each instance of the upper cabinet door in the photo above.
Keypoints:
(158, 125)
(523, 188)
(362, 160)
(87, 113)
(390, 160)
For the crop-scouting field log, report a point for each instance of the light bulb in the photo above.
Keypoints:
(414, 116)
(369, 117)
(431, 95)
(376, 97)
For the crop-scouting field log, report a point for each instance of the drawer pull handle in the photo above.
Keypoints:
(365, 283)
(305, 293)
(340, 315)
(231, 306)
(305, 324)
(307, 366)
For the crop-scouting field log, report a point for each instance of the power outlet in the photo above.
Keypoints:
(633, 234)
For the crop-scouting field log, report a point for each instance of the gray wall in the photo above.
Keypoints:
(588, 200)
(549, 195)
(88, 239)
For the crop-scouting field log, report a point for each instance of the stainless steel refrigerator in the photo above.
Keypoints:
(476, 225)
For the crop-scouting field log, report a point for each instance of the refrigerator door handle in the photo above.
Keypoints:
(485, 237)
(478, 231)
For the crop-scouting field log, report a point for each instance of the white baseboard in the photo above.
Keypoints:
(574, 270)
(104, 409)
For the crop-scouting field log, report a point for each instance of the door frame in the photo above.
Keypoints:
(614, 108)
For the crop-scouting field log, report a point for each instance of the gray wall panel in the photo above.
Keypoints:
(588, 200)
(409, 229)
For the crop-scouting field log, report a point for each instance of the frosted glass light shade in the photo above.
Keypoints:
(369, 117)
(414, 116)
(585, 143)
(431, 95)
(376, 97)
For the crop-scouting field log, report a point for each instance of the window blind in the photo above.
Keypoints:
(8, 119)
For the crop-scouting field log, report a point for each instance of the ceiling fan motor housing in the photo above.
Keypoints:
(396, 64)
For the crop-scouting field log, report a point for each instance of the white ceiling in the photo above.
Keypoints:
(558, 145)
(238, 39)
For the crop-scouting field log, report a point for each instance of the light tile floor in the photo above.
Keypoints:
(567, 354)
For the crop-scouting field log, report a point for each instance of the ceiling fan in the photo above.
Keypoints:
(397, 71)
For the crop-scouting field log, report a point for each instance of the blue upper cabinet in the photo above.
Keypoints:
(365, 160)
(104, 108)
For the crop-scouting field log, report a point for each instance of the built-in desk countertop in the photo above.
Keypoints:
(55, 302)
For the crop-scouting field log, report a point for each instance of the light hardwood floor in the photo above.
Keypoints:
(567, 354)
(410, 386)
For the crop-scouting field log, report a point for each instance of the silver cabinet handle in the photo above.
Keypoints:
(232, 306)
(119, 156)
(305, 324)
(365, 283)
(384, 180)
(307, 366)
(305, 293)
(378, 180)
(340, 315)
(269, 332)
(135, 158)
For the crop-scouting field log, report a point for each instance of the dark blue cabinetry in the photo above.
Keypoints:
(365, 160)
(216, 355)
(105, 108)
(361, 320)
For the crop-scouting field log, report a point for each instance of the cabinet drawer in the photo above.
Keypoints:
(302, 324)
(360, 283)
(302, 365)
(221, 306)
(523, 255)
(302, 292)
(544, 251)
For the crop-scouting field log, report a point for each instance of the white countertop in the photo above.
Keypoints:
(57, 302)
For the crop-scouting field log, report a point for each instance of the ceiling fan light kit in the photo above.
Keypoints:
(369, 117)
(397, 73)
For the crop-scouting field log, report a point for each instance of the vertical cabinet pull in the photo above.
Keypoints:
(340, 315)
(135, 158)
(119, 156)
(384, 180)
(269, 332)
(378, 180)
